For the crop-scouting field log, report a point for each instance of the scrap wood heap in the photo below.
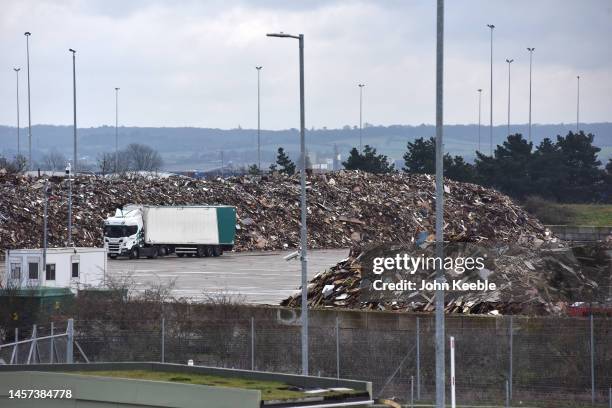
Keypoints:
(344, 208)
(544, 280)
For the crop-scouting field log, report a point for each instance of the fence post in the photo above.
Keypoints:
(15, 355)
(510, 374)
(592, 362)
(418, 358)
(610, 397)
(70, 341)
(252, 343)
(51, 344)
(32, 345)
(337, 348)
(163, 340)
(412, 391)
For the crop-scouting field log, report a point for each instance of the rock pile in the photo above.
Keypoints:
(344, 208)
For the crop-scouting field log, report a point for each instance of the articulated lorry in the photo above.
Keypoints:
(152, 231)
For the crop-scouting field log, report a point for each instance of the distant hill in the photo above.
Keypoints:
(199, 148)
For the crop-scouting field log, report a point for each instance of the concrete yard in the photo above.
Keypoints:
(257, 277)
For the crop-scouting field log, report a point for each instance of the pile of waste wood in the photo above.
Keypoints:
(344, 208)
(548, 279)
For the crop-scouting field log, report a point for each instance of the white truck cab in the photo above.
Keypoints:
(123, 232)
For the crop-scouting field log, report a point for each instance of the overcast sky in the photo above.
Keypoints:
(192, 63)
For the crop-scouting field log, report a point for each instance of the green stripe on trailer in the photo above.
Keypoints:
(226, 224)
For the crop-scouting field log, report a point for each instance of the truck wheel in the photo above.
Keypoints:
(180, 255)
(133, 253)
(155, 253)
(217, 250)
(200, 252)
(209, 251)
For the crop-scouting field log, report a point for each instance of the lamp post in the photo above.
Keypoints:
(18, 140)
(578, 104)
(258, 120)
(439, 294)
(491, 26)
(303, 231)
(509, 61)
(116, 130)
(531, 50)
(74, 157)
(479, 114)
(360, 115)
(47, 193)
(69, 176)
(27, 35)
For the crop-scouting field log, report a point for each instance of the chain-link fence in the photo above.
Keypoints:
(541, 359)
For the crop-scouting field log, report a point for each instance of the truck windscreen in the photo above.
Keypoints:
(118, 231)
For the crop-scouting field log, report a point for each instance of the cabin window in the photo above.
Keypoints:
(16, 270)
(75, 269)
(50, 272)
(33, 270)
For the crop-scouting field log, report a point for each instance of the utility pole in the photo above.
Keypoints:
(491, 26)
(479, 115)
(69, 175)
(18, 140)
(360, 116)
(222, 164)
(303, 229)
(531, 50)
(46, 192)
(578, 104)
(439, 294)
(258, 120)
(116, 130)
(27, 35)
(74, 157)
(509, 61)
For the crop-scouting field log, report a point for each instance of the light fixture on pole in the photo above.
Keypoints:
(578, 104)
(18, 139)
(531, 50)
(27, 35)
(491, 26)
(479, 115)
(440, 279)
(116, 131)
(258, 120)
(69, 177)
(303, 230)
(74, 156)
(509, 61)
(360, 115)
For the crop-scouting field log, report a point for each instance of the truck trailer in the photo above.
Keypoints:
(152, 231)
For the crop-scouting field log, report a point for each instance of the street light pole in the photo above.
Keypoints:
(74, 157)
(303, 230)
(578, 104)
(116, 130)
(360, 115)
(18, 140)
(509, 61)
(258, 120)
(439, 294)
(68, 174)
(531, 50)
(27, 35)
(479, 115)
(491, 26)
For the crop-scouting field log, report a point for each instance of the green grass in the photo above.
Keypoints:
(270, 390)
(599, 215)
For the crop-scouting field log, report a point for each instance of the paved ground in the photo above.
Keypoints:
(258, 277)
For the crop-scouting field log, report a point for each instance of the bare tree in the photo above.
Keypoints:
(54, 161)
(143, 158)
(17, 165)
(105, 162)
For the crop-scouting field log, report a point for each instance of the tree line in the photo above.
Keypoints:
(566, 169)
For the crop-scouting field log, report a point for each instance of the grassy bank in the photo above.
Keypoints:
(598, 215)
